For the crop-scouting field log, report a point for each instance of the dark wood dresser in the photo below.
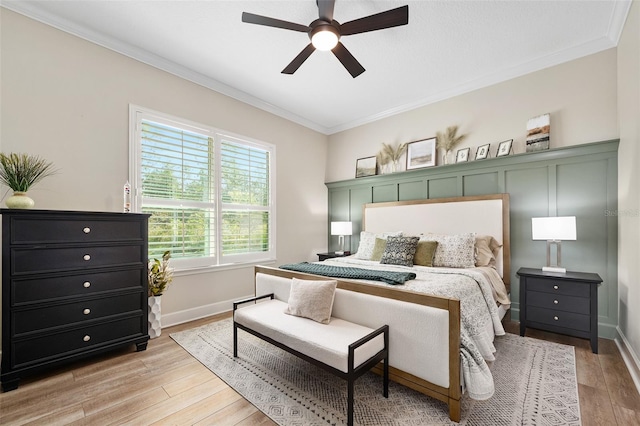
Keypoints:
(74, 284)
(561, 303)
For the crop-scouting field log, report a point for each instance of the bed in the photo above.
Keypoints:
(446, 352)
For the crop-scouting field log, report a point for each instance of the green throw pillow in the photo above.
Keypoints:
(425, 252)
(378, 249)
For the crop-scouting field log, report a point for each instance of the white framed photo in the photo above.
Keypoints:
(462, 155)
(482, 152)
(504, 148)
(421, 154)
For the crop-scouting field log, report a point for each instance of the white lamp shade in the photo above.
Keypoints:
(562, 228)
(341, 228)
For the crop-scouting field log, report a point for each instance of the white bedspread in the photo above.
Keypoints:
(478, 311)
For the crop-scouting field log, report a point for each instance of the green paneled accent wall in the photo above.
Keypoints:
(579, 180)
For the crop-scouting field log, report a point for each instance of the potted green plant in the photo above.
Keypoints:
(20, 172)
(160, 276)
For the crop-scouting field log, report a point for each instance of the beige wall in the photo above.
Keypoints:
(67, 100)
(580, 96)
(628, 180)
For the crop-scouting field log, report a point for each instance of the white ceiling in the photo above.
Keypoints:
(448, 48)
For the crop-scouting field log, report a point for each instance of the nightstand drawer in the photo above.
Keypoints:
(556, 286)
(578, 305)
(32, 320)
(558, 318)
(37, 230)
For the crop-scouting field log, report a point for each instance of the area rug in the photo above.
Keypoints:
(535, 384)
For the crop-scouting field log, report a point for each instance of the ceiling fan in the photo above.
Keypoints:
(325, 32)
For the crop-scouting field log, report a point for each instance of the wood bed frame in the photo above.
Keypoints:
(471, 215)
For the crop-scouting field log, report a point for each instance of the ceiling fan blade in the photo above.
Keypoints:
(347, 59)
(272, 22)
(379, 21)
(299, 60)
(325, 9)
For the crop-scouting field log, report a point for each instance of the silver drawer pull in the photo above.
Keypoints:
(86, 257)
(86, 230)
(86, 284)
(555, 302)
(555, 287)
(86, 311)
(86, 338)
(555, 318)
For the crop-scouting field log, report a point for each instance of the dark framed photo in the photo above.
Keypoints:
(421, 153)
(504, 148)
(482, 152)
(462, 155)
(366, 166)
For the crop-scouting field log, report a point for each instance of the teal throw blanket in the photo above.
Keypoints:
(388, 277)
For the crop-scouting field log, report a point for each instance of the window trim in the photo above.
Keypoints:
(136, 115)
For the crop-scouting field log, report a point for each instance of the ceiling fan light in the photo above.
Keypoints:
(324, 40)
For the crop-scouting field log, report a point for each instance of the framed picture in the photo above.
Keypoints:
(538, 130)
(482, 152)
(421, 153)
(462, 155)
(366, 166)
(504, 148)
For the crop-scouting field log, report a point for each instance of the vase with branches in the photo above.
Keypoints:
(20, 172)
(391, 154)
(448, 140)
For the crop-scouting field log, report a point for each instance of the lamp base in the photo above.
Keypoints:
(555, 269)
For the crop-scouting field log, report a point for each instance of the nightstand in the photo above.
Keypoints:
(561, 303)
(324, 256)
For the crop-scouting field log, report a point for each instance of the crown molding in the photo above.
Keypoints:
(610, 40)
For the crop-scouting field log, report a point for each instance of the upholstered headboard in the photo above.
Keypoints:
(484, 215)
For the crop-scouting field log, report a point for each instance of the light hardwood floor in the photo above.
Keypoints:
(164, 385)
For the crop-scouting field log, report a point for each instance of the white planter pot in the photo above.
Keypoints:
(155, 316)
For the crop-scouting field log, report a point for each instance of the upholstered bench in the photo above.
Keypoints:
(341, 347)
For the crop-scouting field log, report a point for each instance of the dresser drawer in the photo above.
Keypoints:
(25, 261)
(56, 345)
(70, 286)
(559, 302)
(558, 318)
(549, 285)
(42, 318)
(28, 230)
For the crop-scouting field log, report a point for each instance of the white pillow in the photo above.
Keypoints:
(454, 251)
(368, 242)
(311, 299)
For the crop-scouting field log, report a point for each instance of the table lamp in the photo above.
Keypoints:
(554, 230)
(341, 229)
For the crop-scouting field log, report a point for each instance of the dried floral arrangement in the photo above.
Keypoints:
(391, 154)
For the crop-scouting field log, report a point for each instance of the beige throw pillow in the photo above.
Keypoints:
(487, 248)
(311, 299)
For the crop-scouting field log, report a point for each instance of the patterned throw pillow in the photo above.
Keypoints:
(400, 251)
(368, 242)
(454, 251)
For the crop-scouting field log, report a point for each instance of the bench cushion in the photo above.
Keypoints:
(327, 343)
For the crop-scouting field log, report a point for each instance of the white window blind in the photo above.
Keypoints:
(209, 193)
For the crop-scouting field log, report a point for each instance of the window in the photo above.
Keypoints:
(209, 193)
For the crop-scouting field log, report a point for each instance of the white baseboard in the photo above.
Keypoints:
(630, 358)
(180, 317)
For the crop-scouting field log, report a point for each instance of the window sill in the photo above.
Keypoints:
(216, 268)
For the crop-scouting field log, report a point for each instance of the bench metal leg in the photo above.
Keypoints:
(350, 403)
(235, 340)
